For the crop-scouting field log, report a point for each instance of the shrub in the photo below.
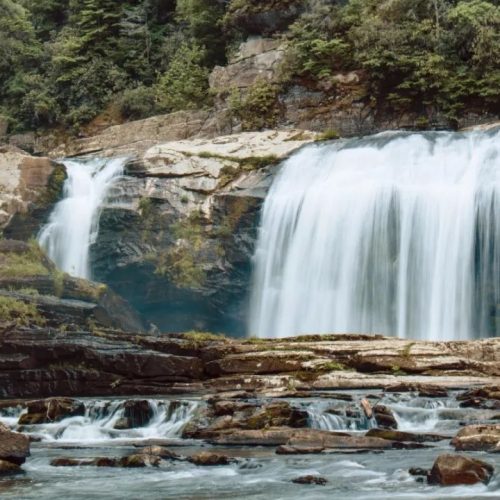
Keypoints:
(185, 83)
(137, 103)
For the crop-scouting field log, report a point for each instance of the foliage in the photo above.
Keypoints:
(138, 102)
(185, 84)
(258, 108)
(416, 55)
(22, 313)
(64, 62)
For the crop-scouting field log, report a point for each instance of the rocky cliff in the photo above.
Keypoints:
(177, 233)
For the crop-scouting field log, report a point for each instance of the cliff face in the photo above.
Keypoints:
(177, 233)
(29, 187)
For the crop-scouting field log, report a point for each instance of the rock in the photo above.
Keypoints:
(302, 450)
(160, 451)
(452, 470)
(418, 471)
(7, 468)
(477, 438)
(209, 458)
(310, 480)
(206, 190)
(90, 462)
(29, 187)
(139, 460)
(367, 408)
(257, 59)
(51, 410)
(136, 413)
(384, 417)
(399, 436)
(14, 447)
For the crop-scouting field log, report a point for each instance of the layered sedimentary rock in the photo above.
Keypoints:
(43, 362)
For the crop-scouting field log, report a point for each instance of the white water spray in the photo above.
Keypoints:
(74, 223)
(396, 234)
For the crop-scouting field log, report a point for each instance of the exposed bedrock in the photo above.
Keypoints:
(42, 362)
(177, 232)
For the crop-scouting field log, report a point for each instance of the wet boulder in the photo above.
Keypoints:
(84, 462)
(384, 417)
(477, 438)
(398, 436)
(136, 413)
(7, 468)
(310, 479)
(453, 470)
(139, 460)
(44, 411)
(210, 458)
(160, 451)
(14, 447)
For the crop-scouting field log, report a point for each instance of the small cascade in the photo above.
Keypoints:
(337, 416)
(101, 417)
(73, 225)
(396, 234)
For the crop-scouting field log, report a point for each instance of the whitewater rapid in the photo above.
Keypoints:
(73, 225)
(396, 234)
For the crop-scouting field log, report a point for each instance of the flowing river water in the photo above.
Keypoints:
(259, 472)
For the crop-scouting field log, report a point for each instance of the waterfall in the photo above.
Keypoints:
(396, 234)
(74, 223)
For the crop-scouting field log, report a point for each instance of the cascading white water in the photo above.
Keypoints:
(98, 423)
(74, 223)
(396, 234)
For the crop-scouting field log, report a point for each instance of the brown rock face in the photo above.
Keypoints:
(208, 458)
(51, 410)
(477, 438)
(452, 470)
(8, 468)
(310, 480)
(14, 447)
(135, 414)
(384, 417)
(399, 436)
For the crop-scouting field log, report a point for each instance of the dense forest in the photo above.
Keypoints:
(65, 62)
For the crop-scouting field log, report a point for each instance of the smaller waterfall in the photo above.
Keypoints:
(74, 223)
(98, 424)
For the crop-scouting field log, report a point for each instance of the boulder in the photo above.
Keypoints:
(310, 480)
(418, 471)
(29, 187)
(160, 451)
(399, 436)
(139, 460)
(452, 470)
(7, 468)
(136, 413)
(45, 411)
(384, 417)
(14, 447)
(477, 438)
(86, 462)
(210, 458)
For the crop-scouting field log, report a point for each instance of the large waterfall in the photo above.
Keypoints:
(396, 234)
(74, 223)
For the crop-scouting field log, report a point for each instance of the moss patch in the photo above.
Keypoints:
(19, 264)
(22, 313)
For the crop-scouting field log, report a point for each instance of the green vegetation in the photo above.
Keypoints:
(66, 63)
(328, 135)
(26, 263)
(415, 55)
(258, 107)
(182, 263)
(197, 336)
(23, 314)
